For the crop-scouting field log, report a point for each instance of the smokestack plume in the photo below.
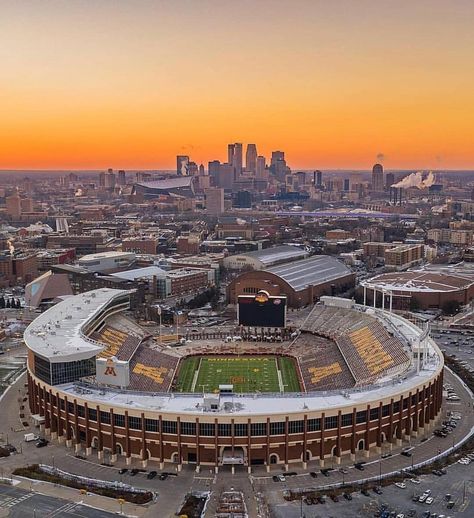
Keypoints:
(10, 247)
(416, 180)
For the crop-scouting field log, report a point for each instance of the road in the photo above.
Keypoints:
(20, 503)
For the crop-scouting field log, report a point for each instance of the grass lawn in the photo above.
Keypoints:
(246, 373)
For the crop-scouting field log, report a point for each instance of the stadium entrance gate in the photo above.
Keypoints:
(233, 456)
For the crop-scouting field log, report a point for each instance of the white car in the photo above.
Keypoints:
(422, 498)
(401, 485)
(429, 500)
(415, 481)
(464, 461)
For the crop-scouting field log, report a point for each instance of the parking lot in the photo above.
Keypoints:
(459, 343)
(399, 500)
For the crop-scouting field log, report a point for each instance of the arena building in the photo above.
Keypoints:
(351, 379)
(429, 290)
(303, 282)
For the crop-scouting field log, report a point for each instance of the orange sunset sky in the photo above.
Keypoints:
(130, 84)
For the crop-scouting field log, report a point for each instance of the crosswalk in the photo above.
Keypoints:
(6, 502)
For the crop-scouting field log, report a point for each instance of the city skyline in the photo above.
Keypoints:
(336, 86)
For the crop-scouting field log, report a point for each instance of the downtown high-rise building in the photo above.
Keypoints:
(182, 164)
(377, 178)
(260, 167)
(389, 180)
(121, 179)
(234, 158)
(251, 158)
(278, 165)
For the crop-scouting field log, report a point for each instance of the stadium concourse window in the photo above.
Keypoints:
(134, 423)
(70, 407)
(206, 429)
(258, 429)
(385, 410)
(152, 425)
(277, 428)
(361, 417)
(42, 369)
(295, 427)
(346, 420)
(314, 425)
(92, 413)
(241, 429)
(330, 422)
(224, 430)
(188, 428)
(374, 414)
(119, 420)
(81, 411)
(170, 427)
(71, 371)
(105, 417)
(396, 407)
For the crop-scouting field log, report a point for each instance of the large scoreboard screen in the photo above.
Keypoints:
(262, 310)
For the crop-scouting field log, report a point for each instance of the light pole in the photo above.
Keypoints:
(158, 310)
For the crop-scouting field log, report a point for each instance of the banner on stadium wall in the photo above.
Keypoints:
(111, 371)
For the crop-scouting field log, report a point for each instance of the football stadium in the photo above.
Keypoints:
(350, 380)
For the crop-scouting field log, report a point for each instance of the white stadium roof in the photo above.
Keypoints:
(57, 333)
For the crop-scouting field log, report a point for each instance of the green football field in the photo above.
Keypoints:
(245, 373)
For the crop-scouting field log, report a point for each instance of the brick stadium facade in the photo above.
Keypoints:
(266, 430)
(282, 438)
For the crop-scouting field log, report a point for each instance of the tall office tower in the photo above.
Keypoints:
(121, 177)
(214, 200)
(377, 178)
(278, 165)
(201, 170)
(318, 179)
(225, 176)
(277, 156)
(213, 171)
(109, 179)
(237, 163)
(182, 162)
(102, 179)
(13, 205)
(347, 185)
(251, 158)
(389, 180)
(193, 169)
(260, 168)
(230, 153)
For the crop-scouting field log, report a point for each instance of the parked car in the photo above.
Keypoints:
(313, 474)
(347, 496)
(122, 471)
(42, 443)
(151, 475)
(134, 471)
(401, 485)
(378, 490)
(163, 476)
